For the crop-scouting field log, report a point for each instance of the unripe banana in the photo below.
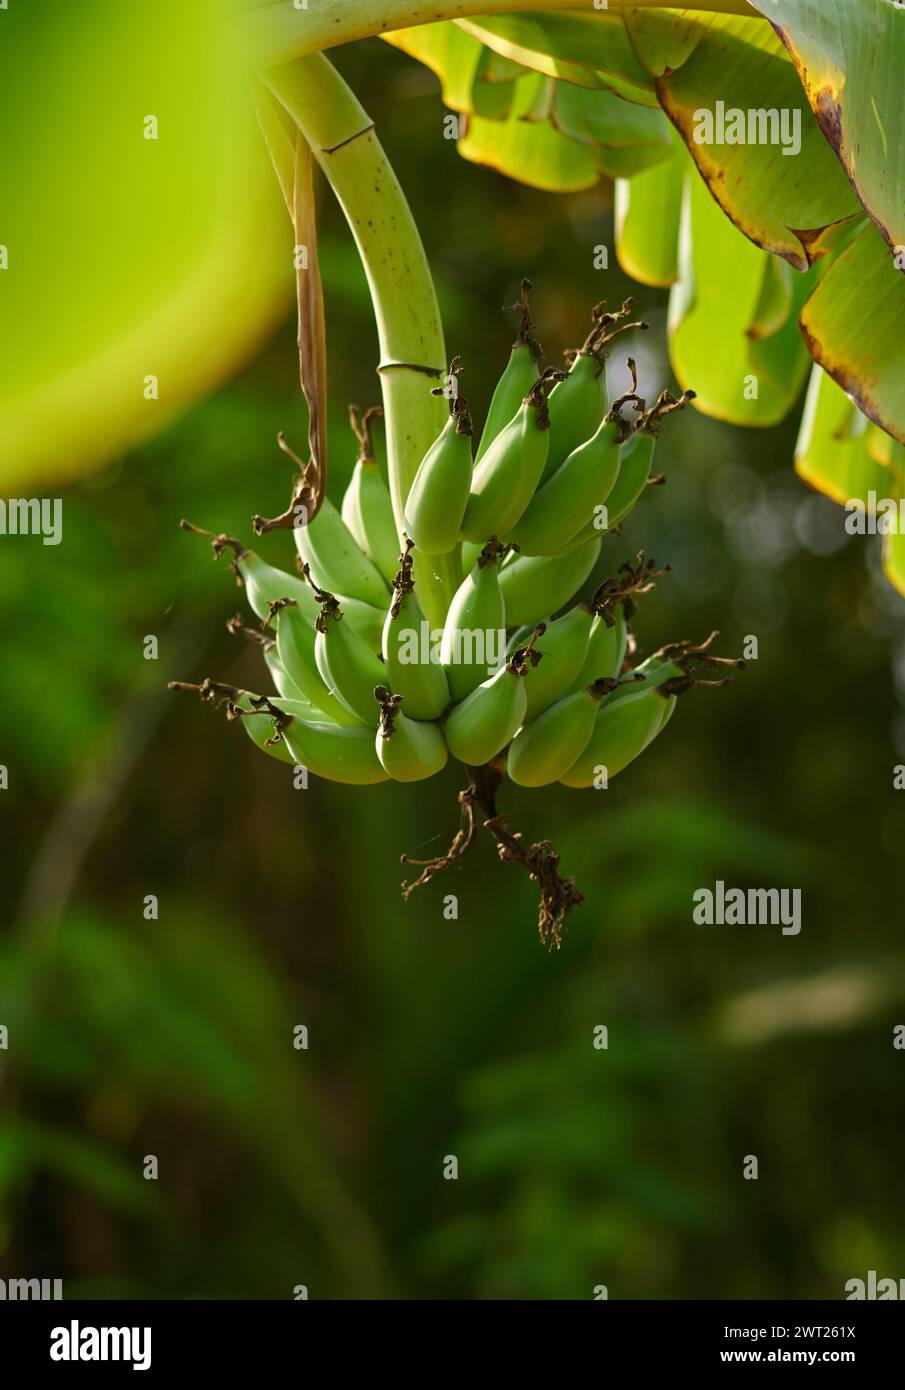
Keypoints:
(622, 730)
(367, 509)
(520, 374)
(474, 624)
(265, 586)
(641, 706)
(272, 592)
(279, 728)
(580, 401)
(469, 553)
(503, 483)
(606, 649)
(534, 585)
(409, 750)
(565, 503)
(568, 500)
(547, 748)
(480, 727)
(347, 665)
(339, 754)
(285, 688)
(564, 646)
(438, 577)
(260, 729)
(409, 652)
(613, 604)
(335, 560)
(635, 463)
(296, 639)
(634, 472)
(438, 496)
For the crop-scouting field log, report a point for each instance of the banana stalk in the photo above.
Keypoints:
(410, 334)
(279, 32)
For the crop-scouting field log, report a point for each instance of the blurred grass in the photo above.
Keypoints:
(428, 1037)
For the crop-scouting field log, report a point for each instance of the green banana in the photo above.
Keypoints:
(296, 650)
(335, 753)
(261, 730)
(367, 510)
(632, 716)
(563, 505)
(346, 664)
(534, 585)
(564, 646)
(335, 560)
(605, 650)
(580, 401)
(409, 750)
(479, 728)
(504, 482)
(547, 748)
(469, 553)
(613, 604)
(438, 496)
(267, 586)
(437, 577)
(476, 618)
(635, 463)
(286, 602)
(285, 688)
(566, 641)
(409, 652)
(621, 732)
(520, 374)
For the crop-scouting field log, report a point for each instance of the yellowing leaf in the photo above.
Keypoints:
(853, 326)
(780, 184)
(713, 306)
(850, 55)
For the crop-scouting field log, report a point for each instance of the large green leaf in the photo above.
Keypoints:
(850, 55)
(663, 39)
(591, 50)
(527, 147)
(461, 62)
(783, 201)
(648, 210)
(720, 345)
(129, 258)
(832, 453)
(853, 326)
(627, 139)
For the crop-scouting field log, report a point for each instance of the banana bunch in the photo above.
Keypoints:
(377, 675)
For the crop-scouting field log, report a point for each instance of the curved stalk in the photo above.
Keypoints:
(412, 352)
(281, 32)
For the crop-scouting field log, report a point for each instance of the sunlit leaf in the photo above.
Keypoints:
(663, 39)
(736, 376)
(648, 209)
(587, 49)
(777, 188)
(831, 453)
(527, 149)
(853, 326)
(850, 55)
(456, 57)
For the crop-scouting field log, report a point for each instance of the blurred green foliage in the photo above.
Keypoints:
(428, 1037)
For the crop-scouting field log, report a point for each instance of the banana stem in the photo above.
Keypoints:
(280, 32)
(410, 333)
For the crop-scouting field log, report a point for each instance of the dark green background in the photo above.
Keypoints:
(323, 1167)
